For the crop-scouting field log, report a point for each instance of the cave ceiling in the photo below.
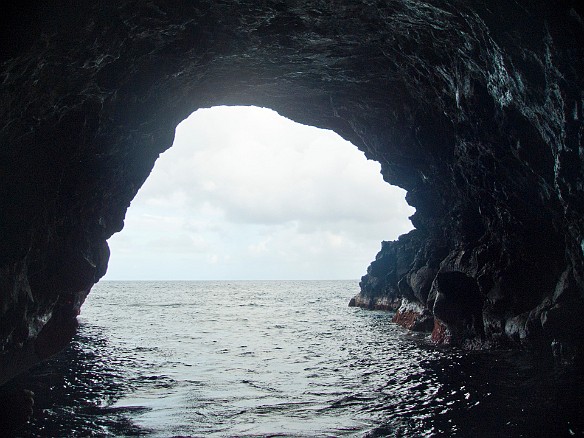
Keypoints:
(475, 108)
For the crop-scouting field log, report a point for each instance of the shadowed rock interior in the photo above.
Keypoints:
(475, 108)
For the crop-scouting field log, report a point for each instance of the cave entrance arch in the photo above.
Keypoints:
(443, 96)
(343, 209)
(245, 193)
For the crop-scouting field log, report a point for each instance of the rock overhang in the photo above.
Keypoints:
(476, 109)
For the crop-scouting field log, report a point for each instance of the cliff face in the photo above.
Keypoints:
(475, 108)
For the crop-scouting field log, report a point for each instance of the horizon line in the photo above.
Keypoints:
(231, 279)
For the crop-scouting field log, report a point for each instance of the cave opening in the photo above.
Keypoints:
(245, 193)
(475, 109)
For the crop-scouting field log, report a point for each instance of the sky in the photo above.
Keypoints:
(245, 194)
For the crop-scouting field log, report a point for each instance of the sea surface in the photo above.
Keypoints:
(283, 358)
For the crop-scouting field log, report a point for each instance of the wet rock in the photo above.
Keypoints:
(563, 320)
(375, 303)
(380, 286)
(440, 333)
(415, 317)
(515, 327)
(455, 300)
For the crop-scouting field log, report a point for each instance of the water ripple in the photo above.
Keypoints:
(282, 359)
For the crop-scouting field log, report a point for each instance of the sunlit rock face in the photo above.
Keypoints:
(474, 107)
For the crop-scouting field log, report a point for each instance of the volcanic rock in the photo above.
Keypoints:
(476, 108)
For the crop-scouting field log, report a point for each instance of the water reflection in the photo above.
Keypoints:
(483, 394)
(266, 362)
(75, 391)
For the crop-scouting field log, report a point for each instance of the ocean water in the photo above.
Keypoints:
(289, 358)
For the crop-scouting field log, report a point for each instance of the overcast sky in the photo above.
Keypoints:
(247, 194)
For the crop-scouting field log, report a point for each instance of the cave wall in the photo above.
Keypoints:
(474, 107)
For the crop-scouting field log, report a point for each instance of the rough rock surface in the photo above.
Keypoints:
(474, 107)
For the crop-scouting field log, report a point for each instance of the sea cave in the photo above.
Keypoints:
(475, 108)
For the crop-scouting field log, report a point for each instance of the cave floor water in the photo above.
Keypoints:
(283, 358)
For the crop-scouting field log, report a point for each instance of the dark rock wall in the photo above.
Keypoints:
(474, 107)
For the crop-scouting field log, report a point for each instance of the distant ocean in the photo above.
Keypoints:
(282, 358)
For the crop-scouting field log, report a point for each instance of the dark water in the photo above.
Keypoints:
(288, 358)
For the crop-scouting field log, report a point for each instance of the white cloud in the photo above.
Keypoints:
(245, 193)
(261, 247)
